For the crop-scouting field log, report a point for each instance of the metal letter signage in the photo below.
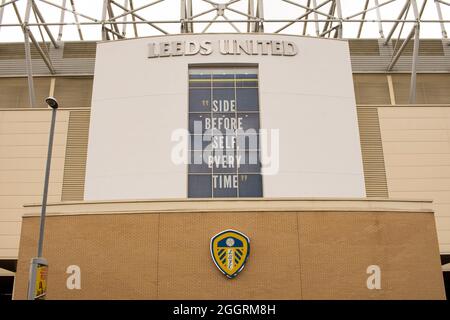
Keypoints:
(224, 47)
(229, 251)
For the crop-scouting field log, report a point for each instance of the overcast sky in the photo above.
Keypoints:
(170, 10)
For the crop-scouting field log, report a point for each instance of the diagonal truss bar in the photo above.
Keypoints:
(410, 35)
(380, 25)
(232, 24)
(133, 18)
(61, 21)
(113, 26)
(366, 5)
(370, 9)
(251, 12)
(72, 11)
(1, 12)
(307, 8)
(220, 9)
(140, 18)
(394, 27)
(210, 23)
(28, 35)
(412, 89)
(124, 26)
(339, 13)
(75, 15)
(29, 66)
(305, 25)
(319, 16)
(260, 15)
(47, 29)
(304, 15)
(328, 22)
(316, 17)
(440, 17)
(6, 3)
(128, 12)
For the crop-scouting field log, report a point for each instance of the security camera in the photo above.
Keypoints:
(52, 102)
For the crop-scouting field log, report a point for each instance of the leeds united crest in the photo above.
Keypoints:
(229, 251)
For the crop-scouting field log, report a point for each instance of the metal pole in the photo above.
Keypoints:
(339, 13)
(61, 21)
(412, 89)
(440, 17)
(366, 5)
(402, 12)
(189, 16)
(113, 26)
(417, 15)
(50, 35)
(1, 12)
(251, 13)
(316, 17)
(400, 50)
(260, 13)
(46, 183)
(104, 9)
(183, 16)
(327, 23)
(26, 33)
(133, 18)
(305, 25)
(380, 24)
(125, 18)
(75, 15)
(39, 259)
(41, 52)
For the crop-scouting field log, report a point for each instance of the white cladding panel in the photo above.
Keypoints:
(137, 105)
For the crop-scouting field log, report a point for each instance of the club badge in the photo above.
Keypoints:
(229, 251)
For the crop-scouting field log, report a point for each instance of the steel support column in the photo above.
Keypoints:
(1, 12)
(104, 10)
(75, 15)
(47, 29)
(380, 24)
(260, 15)
(412, 89)
(316, 17)
(366, 5)
(29, 66)
(394, 27)
(339, 14)
(439, 12)
(61, 21)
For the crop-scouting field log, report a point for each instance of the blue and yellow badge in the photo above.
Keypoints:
(229, 251)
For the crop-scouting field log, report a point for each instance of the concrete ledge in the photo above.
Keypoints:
(232, 205)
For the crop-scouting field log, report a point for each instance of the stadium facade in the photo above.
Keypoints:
(324, 159)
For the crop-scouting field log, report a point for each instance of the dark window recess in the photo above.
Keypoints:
(224, 156)
(79, 49)
(364, 47)
(427, 47)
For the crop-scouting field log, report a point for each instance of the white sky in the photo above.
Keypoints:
(170, 10)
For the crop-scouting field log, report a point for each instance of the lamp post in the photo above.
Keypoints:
(37, 285)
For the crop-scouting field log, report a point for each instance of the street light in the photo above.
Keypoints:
(37, 285)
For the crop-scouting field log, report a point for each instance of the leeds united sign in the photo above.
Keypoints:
(225, 47)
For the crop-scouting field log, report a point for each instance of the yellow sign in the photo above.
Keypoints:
(229, 251)
(40, 289)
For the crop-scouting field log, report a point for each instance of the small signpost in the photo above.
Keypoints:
(38, 279)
